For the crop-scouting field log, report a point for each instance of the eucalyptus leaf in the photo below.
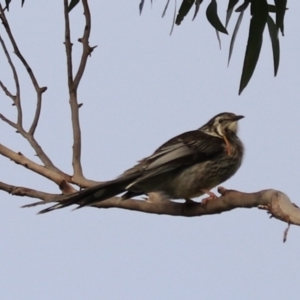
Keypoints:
(197, 7)
(280, 12)
(231, 5)
(236, 29)
(72, 4)
(259, 10)
(275, 43)
(213, 18)
(183, 10)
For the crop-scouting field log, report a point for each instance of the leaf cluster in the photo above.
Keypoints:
(260, 11)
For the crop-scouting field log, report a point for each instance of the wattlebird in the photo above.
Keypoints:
(187, 166)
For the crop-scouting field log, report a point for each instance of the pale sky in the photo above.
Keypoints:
(142, 87)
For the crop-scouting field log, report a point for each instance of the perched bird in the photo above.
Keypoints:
(186, 166)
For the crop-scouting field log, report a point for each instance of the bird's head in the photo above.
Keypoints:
(220, 124)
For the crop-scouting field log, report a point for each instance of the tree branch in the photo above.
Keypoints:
(16, 98)
(277, 204)
(6, 91)
(86, 49)
(28, 135)
(60, 179)
(78, 176)
(23, 191)
(9, 122)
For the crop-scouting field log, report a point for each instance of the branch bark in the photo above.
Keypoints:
(277, 204)
(24, 191)
(73, 84)
(28, 135)
(60, 179)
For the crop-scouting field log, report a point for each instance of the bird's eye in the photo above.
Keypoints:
(220, 121)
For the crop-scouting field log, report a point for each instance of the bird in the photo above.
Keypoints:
(185, 167)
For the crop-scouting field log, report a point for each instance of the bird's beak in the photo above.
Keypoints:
(236, 118)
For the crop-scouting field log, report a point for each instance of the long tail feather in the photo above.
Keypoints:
(91, 195)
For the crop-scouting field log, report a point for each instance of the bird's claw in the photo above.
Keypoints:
(211, 196)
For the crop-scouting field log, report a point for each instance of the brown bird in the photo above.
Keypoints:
(187, 166)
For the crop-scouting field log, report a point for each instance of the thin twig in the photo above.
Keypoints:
(37, 114)
(7, 92)
(14, 71)
(24, 191)
(9, 122)
(74, 83)
(86, 49)
(68, 46)
(58, 178)
(39, 90)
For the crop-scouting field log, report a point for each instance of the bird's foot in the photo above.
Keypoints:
(209, 198)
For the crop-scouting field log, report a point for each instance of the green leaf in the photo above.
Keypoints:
(231, 5)
(164, 12)
(259, 11)
(280, 12)
(183, 10)
(197, 7)
(236, 29)
(272, 8)
(243, 6)
(174, 17)
(7, 2)
(141, 6)
(213, 18)
(273, 31)
(72, 4)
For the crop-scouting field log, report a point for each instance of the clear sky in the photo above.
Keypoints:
(142, 87)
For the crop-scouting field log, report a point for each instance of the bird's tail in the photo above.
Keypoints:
(91, 195)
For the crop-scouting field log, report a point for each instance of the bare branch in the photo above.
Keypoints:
(7, 92)
(39, 151)
(275, 202)
(86, 49)
(60, 179)
(16, 98)
(37, 114)
(9, 122)
(68, 45)
(17, 51)
(73, 85)
(24, 191)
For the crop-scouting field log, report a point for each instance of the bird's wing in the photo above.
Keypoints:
(186, 149)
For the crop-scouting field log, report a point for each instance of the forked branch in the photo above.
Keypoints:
(73, 84)
(18, 125)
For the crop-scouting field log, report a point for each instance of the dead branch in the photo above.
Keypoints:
(73, 84)
(16, 98)
(86, 49)
(58, 178)
(23, 191)
(5, 89)
(277, 204)
(28, 135)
